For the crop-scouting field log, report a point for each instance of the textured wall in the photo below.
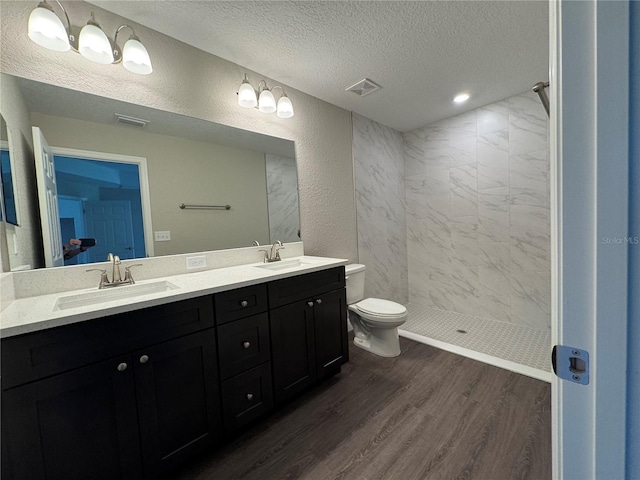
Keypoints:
(282, 198)
(478, 213)
(382, 243)
(27, 234)
(190, 82)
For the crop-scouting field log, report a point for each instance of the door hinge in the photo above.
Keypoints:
(570, 363)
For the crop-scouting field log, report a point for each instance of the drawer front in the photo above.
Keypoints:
(301, 287)
(243, 344)
(240, 303)
(29, 357)
(247, 396)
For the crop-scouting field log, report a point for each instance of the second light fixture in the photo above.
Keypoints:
(263, 99)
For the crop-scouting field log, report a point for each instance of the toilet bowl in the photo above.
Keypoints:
(375, 321)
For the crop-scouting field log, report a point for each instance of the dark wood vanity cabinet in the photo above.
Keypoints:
(309, 330)
(134, 395)
(132, 415)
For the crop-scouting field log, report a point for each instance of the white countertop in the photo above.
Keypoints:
(31, 314)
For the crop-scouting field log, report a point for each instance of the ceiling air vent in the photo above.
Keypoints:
(131, 121)
(364, 87)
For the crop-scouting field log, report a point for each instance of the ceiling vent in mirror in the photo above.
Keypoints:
(364, 87)
(131, 121)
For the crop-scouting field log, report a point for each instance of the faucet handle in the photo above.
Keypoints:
(127, 272)
(104, 279)
(266, 254)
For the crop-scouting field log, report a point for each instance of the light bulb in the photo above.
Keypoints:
(266, 102)
(47, 30)
(247, 95)
(94, 45)
(135, 57)
(461, 98)
(285, 107)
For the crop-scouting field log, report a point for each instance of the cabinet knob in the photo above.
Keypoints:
(249, 396)
(244, 303)
(319, 300)
(310, 304)
(144, 359)
(122, 367)
(246, 344)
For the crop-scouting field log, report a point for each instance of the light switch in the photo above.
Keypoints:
(163, 236)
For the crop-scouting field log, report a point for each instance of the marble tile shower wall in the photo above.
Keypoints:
(282, 198)
(477, 206)
(378, 155)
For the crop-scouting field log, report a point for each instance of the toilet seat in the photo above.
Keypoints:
(380, 309)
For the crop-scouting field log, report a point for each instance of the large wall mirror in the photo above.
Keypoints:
(144, 182)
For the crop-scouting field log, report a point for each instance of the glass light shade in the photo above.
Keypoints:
(247, 95)
(135, 57)
(266, 103)
(94, 45)
(47, 30)
(285, 107)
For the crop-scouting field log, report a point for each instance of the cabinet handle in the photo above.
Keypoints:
(319, 300)
(246, 344)
(310, 304)
(144, 359)
(249, 396)
(244, 303)
(122, 367)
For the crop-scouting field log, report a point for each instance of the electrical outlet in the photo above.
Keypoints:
(164, 236)
(196, 262)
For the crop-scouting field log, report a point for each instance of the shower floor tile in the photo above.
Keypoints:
(515, 343)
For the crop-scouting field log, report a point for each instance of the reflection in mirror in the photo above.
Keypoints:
(8, 198)
(178, 160)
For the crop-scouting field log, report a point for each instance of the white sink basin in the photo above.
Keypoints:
(110, 294)
(287, 264)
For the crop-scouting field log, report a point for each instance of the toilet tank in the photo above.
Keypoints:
(355, 282)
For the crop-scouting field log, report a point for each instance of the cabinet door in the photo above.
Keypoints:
(330, 323)
(292, 349)
(78, 425)
(178, 400)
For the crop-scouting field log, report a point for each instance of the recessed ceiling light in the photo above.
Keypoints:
(461, 98)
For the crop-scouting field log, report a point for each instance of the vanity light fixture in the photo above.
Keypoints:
(47, 30)
(461, 98)
(263, 99)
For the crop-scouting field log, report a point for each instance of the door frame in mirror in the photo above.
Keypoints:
(145, 197)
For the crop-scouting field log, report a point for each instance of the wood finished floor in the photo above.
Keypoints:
(427, 414)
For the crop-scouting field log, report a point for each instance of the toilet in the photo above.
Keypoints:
(375, 321)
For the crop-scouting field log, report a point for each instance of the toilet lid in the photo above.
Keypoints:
(382, 308)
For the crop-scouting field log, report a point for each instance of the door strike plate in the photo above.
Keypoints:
(570, 363)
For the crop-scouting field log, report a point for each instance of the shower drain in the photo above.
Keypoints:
(461, 331)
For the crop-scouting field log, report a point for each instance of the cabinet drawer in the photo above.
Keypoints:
(243, 344)
(29, 357)
(240, 303)
(300, 287)
(246, 396)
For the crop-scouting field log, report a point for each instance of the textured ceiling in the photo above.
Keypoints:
(422, 53)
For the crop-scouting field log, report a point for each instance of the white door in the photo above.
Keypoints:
(48, 200)
(589, 48)
(109, 222)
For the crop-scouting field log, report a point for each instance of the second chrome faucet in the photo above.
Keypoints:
(116, 276)
(273, 255)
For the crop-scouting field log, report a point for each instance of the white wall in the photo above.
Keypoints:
(191, 82)
(27, 234)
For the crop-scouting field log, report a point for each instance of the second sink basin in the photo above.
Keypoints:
(111, 294)
(287, 264)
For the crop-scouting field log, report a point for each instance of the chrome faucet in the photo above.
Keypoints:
(274, 254)
(116, 277)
